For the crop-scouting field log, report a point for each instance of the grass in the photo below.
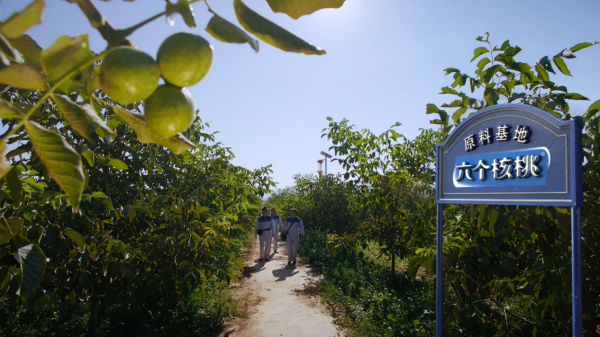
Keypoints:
(374, 302)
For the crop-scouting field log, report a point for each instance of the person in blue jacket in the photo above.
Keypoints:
(294, 229)
(277, 224)
(264, 228)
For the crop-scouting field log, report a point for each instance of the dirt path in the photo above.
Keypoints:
(272, 302)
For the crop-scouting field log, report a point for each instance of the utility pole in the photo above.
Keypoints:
(327, 155)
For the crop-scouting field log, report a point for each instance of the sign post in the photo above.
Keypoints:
(512, 154)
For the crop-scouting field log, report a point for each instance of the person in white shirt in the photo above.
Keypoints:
(294, 229)
(264, 228)
(277, 225)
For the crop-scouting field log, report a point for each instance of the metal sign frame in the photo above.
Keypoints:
(544, 165)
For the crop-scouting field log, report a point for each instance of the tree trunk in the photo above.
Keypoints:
(393, 260)
(393, 250)
(93, 323)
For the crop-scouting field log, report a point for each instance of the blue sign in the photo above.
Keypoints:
(511, 154)
(526, 167)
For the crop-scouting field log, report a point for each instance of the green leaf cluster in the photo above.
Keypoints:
(501, 78)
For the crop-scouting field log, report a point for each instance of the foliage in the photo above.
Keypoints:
(374, 302)
(91, 210)
(503, 79)
(396, 177)
(325, 203)
(195, 314)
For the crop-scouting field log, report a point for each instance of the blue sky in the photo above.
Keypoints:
(384, 63)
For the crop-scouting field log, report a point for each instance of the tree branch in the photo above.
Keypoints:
(510, 313)
(98, 21)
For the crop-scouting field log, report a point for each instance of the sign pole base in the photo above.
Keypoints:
(576, 269)
(438, 271)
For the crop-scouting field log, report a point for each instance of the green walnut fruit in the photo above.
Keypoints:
(184, 59)
(169, 110)
(128, 75)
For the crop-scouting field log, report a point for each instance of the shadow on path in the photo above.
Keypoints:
(284, 273)
(257, 267)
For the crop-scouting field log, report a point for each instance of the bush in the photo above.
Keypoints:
(196, 314)
(376, 302)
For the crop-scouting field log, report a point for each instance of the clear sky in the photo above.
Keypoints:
(384, 63)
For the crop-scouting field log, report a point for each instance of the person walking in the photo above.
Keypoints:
(277, 225)
(293, 228)
(264, 228)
